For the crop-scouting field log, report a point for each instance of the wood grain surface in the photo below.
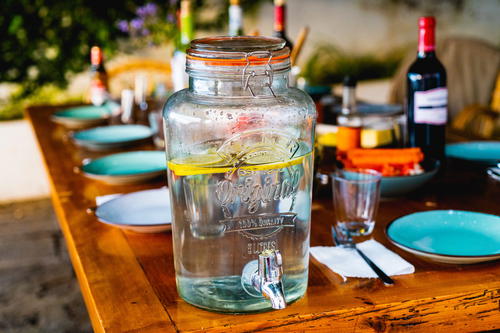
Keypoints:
(128, 282)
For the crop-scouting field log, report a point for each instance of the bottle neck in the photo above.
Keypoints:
(234, 86)
(185, 25)
(280, 18)
(96, 58)
(349, 100)
(235, 20)
(426, 42)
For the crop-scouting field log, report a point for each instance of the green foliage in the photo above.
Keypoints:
(46, 95)
(44, 41)
(328, 65)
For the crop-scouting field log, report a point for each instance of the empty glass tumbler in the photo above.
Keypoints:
(239, 148)
(356, 194)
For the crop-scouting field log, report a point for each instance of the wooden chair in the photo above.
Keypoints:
(121, 75)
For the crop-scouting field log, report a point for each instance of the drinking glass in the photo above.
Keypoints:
(356, 194)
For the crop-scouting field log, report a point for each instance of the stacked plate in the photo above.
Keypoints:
(143, 211)
(126, 168)
(83, 116)
(112, 137)
(479, 152)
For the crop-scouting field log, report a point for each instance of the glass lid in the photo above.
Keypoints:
(240, 49)
(238, 44)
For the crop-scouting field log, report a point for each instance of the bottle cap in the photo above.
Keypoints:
(426, 38)
(95, 55)
(350, 81)
(427, 22)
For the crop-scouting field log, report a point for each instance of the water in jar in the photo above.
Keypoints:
(231, 204)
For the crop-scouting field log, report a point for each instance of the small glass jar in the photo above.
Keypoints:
(239, 150)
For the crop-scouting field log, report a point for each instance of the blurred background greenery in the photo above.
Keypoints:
(45, 43)
(328, 65)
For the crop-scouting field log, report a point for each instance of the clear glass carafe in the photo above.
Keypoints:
(239, 148)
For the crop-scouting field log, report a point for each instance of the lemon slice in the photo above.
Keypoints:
(198, 160)
(210, 163)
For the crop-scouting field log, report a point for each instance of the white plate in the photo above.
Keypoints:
(144, 211)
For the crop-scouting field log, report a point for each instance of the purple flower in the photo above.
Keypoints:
(170, 18)
(123, 26)
(148, 9)
(145, 32)
(137, 23)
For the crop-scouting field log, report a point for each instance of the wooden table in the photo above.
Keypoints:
(128, 282)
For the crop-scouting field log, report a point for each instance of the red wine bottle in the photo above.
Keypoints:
(427, 104)
(99, 88)
(280, 22)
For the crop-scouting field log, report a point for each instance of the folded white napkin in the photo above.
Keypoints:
(348, 263)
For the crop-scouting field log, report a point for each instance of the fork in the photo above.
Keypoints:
(380, 273)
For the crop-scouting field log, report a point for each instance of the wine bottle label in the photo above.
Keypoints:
(98, 95)
(431, 106)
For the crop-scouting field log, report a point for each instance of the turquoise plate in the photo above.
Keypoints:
(448, 236)
(483, 152)
(126, 168)
(111, 137)
(400, 185)
(82, 116)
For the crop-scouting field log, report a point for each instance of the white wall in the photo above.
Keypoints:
(362, 26)
(22, 175)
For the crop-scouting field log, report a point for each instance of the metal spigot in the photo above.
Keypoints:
(267, 280)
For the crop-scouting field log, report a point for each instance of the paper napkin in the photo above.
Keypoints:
(348, 263)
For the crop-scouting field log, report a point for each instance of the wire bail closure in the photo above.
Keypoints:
(246, 76)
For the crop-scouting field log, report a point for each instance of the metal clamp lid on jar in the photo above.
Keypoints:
(248, 56)
(246, 75)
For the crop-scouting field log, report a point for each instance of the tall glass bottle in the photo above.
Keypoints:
(427, 95)
(186, 34)
(235, 18)
(349, 123)
(280, 22)
(99, 89)
(141, 107)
